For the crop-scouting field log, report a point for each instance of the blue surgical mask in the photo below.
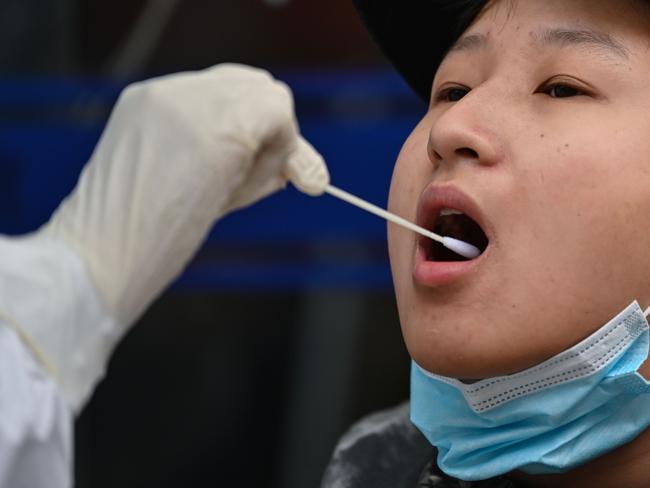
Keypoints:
(550, 418)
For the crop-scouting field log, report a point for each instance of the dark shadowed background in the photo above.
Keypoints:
(283, 331)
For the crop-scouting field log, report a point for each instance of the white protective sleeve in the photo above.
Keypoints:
(41, 283)
(35, 422)
(47, 297)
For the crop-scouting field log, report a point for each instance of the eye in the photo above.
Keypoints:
(451, 94)
(562, 90)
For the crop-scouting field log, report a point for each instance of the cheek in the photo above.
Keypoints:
(588, 206)
(411, 174)
(620, 223)
(407, 178)
(398, 203)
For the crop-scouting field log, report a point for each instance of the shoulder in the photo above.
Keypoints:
(381, 450)
(385, 450)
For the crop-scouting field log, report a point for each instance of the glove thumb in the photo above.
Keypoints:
(306, 169)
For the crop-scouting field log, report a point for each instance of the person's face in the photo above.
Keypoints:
(542, 120)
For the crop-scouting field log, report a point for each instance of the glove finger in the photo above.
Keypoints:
(307, 170)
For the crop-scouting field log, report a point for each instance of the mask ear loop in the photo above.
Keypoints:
(646, 312)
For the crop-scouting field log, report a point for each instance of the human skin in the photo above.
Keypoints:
(551, 141)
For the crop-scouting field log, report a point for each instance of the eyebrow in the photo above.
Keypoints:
(568, 37)
(559, 37)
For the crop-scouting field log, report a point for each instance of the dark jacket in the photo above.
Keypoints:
(385, 450)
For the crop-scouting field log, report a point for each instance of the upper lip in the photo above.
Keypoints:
(434, 198)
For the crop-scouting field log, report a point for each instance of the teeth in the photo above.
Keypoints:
(449, 211)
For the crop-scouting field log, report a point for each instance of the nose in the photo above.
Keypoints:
(464, 133)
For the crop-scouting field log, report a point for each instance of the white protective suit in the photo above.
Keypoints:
(178, 153)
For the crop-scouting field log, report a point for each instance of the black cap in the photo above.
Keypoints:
(415, 35)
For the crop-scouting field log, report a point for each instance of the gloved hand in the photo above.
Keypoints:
(178, 153)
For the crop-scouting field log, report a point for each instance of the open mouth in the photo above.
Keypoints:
(453, 223)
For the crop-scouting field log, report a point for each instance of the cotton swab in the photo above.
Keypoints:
(459, 247)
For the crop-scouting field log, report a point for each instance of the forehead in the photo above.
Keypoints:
(608, 27)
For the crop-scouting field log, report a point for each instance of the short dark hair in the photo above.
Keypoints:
(415, 35)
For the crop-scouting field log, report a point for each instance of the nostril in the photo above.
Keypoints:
(467, 153)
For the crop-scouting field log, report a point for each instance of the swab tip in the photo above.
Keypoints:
(462, 248)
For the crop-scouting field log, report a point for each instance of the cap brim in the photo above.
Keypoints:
(415, 35)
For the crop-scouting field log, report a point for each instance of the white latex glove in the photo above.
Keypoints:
(178, 153)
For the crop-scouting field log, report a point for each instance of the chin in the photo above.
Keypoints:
(465, 364)
(470, 346)
(445, 350)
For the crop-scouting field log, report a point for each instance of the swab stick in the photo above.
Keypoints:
(459, 247)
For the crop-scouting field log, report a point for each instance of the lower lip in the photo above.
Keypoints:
(438, 273)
